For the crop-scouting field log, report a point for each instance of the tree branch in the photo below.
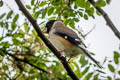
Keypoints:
(46, 41)
(25, 61)
(108, 20)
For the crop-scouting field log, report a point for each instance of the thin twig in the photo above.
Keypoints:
(107, 19)
(25, 61)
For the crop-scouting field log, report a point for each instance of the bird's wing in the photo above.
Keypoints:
(71, 36)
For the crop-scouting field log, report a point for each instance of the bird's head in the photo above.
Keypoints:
(48, 26)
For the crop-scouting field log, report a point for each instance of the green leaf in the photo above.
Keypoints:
(34, 32)
(98, 13)
(1, 38)
(87, 4)
(42, 3)
(88, 76)
(85, 17)
(28, 7)
(80, 3)
(9, 14)
(5, 44)
(52, 18)
(15, 18)
(81, 14)
(109, 78)
(5, 67)
(119, 72)
(2, 15)
(83, 61)
(32, 2)
(111, 68)
(26, 28)
(117, 79)
(6, 25)
(96, 77)
(13, 26)
(44, 13)
(86, 70)
(90, 11)
(1, 3)
(18, 35)
(58, 9)
(71, 23)
(116, 57)
(1, 24)
(76, 19)
(100, 3)
(36, 14)
(16, 41)
(50, 11)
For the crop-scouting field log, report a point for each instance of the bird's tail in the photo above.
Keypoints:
(85, 52)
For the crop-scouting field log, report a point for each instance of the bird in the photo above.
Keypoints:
(66, 40)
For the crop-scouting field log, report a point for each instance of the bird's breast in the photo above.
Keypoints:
(70, 50)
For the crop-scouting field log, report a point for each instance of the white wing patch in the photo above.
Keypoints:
(65, 37)
(77, 40)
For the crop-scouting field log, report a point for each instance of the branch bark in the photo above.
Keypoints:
(107, 19)
(24, 61)
(46, 41)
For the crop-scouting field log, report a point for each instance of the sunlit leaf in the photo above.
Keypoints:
(28, 6)
(81, 3)
(87, 4)
(42, 3)
(90, 11)
(44, 12)
(26, 28)
(86, 70)
(5, 44)
(88, 76)
(34, 32)
(50, 11)
(100, 3)
(52, 18)
(83, 61)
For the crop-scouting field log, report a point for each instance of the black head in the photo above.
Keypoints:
(49, 25)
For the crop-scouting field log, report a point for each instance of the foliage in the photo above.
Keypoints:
(21, 49)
